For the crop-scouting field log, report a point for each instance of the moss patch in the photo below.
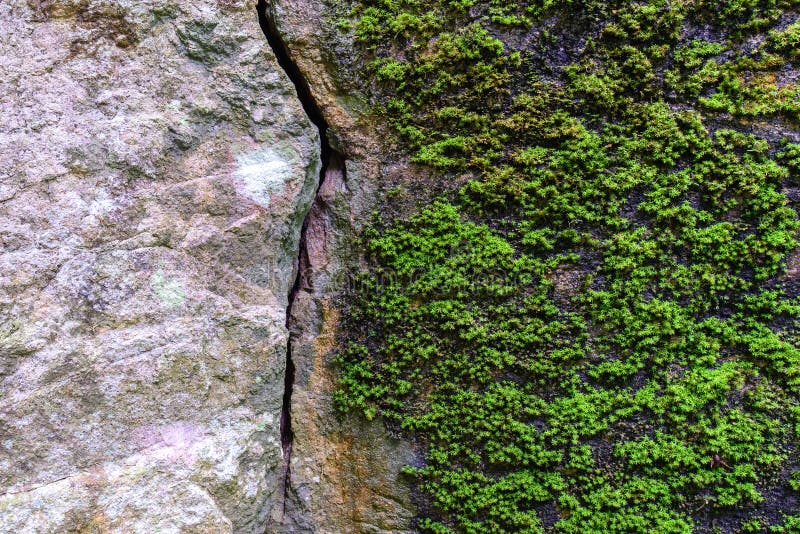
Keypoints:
(592, 335)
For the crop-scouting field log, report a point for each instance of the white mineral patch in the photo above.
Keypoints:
(170, 291)
(260, 174)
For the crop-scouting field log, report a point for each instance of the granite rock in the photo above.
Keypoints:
(155, 170)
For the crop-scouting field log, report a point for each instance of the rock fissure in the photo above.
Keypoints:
(331, 160)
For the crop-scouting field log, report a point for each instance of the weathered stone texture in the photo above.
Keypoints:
(155, 169)
(345, 475)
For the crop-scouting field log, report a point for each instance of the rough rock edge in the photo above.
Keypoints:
(341, 476)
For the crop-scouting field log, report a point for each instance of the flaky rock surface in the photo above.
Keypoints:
(155, 170)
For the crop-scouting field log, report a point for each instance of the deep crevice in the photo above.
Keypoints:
(284, 57)
(331, 160)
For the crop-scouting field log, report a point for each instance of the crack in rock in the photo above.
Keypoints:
(332, 161)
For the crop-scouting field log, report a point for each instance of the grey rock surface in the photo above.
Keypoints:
(155, 170)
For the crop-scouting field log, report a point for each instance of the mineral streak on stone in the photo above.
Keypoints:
(260, 174)
(155, 170)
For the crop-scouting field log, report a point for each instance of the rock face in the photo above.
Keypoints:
(344, 476)
(155, 170)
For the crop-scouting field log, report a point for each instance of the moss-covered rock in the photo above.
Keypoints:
(613, 141)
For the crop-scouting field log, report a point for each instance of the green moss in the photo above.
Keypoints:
(591, 334)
